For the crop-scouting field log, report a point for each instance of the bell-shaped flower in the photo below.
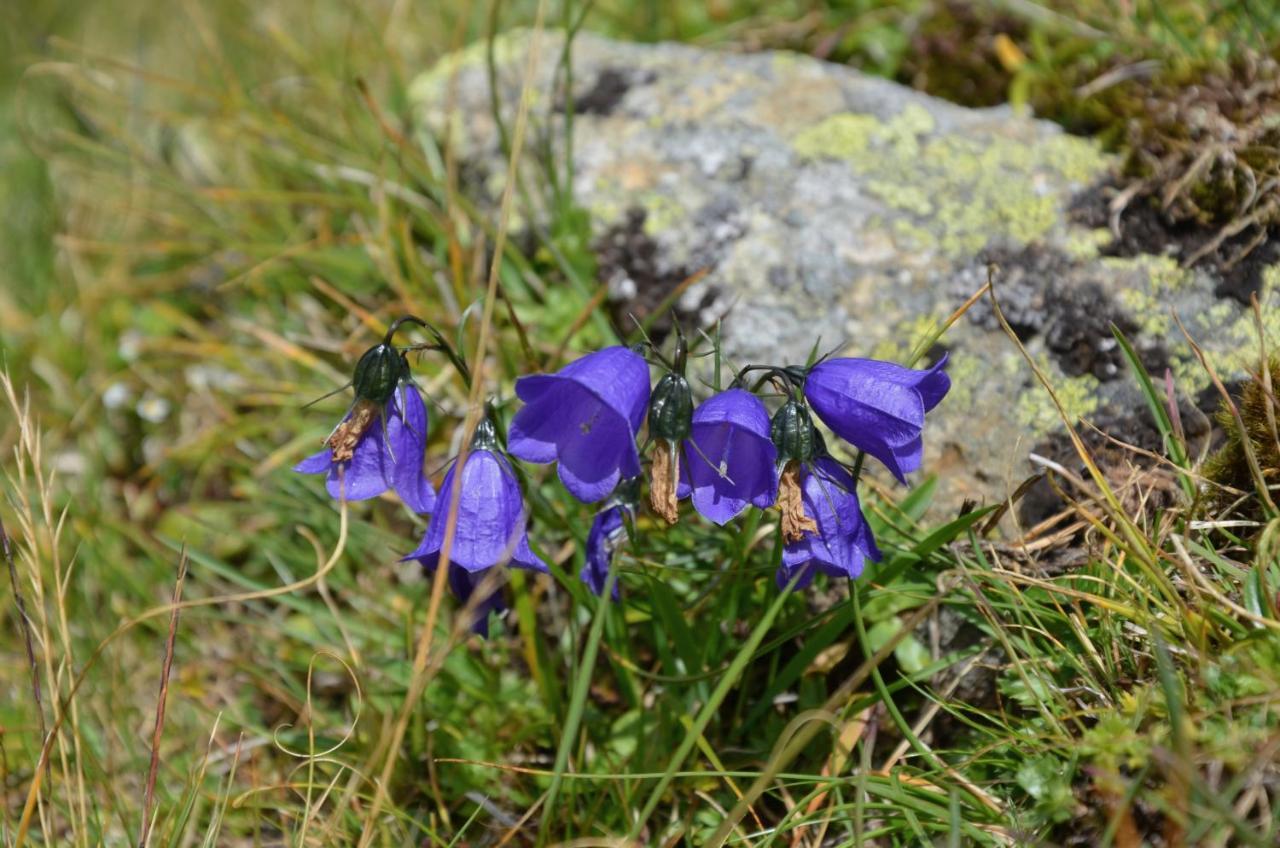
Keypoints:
(608, 533)
(490, 518)
(842, 542)
(877, 407)
(729, 459)
(464, 585)
(378, 447)
(585, 417)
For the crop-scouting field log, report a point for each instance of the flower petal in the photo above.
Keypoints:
(741, 470)
(934, 384)
(489, 517)
(524, 557)
(367, 473)
(855, 398)
(407, 435)
(317, 463)
(618, 376)
(607, 532)
(536, 430)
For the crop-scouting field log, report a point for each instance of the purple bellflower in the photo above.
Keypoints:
(877, 407)
(729, 459)
(490, 515)
(842, 542)
(608, 533)
(381, 442)
(464, 584)
(585, 417)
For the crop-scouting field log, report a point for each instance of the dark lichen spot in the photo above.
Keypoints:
(1045, 293)
(604, 95)
(639, 282)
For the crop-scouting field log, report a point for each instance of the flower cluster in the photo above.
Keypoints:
(597, 418)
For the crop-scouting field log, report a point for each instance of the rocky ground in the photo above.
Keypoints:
(821, 203)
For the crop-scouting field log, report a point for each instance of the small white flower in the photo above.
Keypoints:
(117, 395)
(153, 408)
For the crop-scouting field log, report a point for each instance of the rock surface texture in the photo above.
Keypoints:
(823, 203)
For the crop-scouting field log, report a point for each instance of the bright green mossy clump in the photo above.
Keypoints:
(956, 192)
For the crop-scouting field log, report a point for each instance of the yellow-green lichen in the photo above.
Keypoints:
(838, 137)
(906, 337)
(970, 189)
(662, 212)
(908, 198)
(1081, 244)
(507, 47)
(1078, 396)
(1237, 350)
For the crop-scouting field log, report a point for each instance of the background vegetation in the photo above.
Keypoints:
(210, 209)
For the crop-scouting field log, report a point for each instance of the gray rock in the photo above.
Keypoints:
(823, 203)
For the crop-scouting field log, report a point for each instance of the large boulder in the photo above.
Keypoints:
(824, 203)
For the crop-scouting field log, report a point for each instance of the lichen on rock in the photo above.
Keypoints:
(820, 203)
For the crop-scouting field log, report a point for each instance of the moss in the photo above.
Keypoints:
(969, 190)
(1229, 466)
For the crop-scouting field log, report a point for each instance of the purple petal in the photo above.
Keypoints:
(843, 542)
(737, 406)
(596, 452)
(407, 435)
(804, 567)
(368, 473)
(934, 384)
(464, 584)
(607, 532)
(317, 463)
(618, 376)
(741, 470)
(855, 396)
(535, 430)
(490, 516)
(524, 557)
(585, 417)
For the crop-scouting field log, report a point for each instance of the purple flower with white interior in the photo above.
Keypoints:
(585, 418)
(877, 407)
(842, 542)
(729, 459)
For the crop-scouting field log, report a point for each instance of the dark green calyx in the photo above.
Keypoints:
(793, 434)
(671, 408)
(628, 491)
(378, 372)
(486, 436)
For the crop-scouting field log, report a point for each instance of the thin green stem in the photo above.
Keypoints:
(718, 695)
(577, 702)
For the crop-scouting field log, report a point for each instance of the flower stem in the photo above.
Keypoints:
(581, 686)
(712, 705)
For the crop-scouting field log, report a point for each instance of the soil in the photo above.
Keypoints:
(628, 263)
(1075, 320)
(1146, 229)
